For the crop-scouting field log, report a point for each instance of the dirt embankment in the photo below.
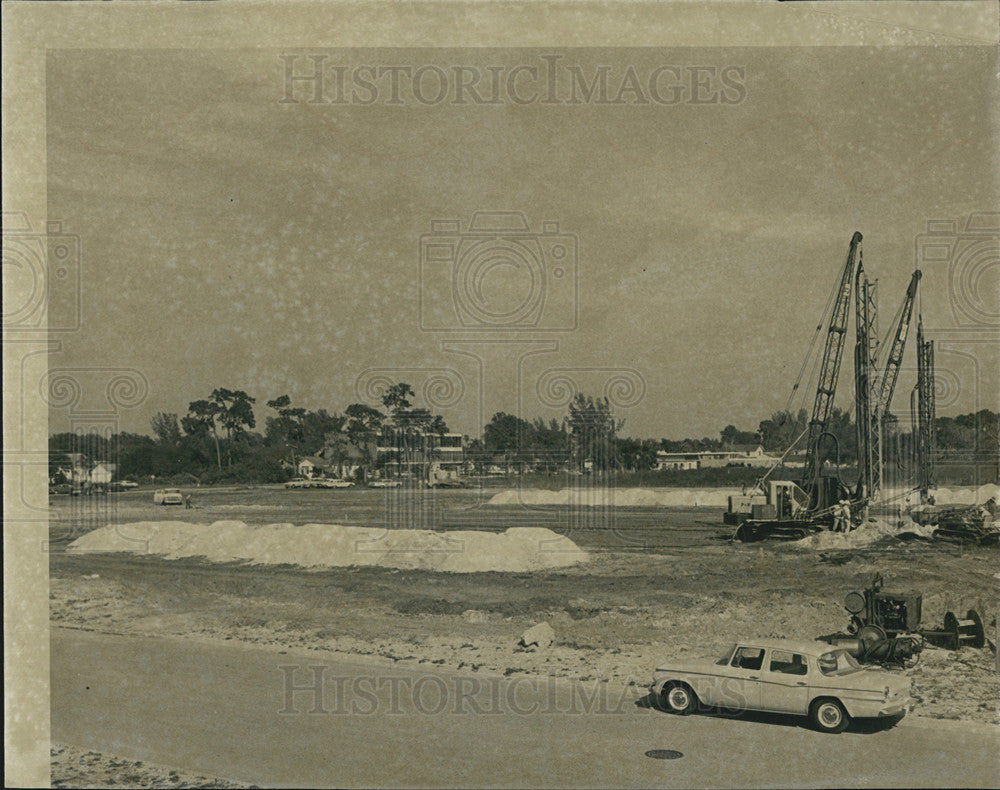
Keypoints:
(615, 618)
(73, 767)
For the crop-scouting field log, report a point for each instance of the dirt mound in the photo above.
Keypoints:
(957, 495)
(617, 497)
(879, 529)
(331, 545)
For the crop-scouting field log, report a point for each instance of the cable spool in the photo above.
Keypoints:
(965, 633)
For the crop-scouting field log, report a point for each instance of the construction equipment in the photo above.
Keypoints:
(924, 434)
(788, 510)
(960, 523)
(865, 378)
(885, 627)
(956, 524)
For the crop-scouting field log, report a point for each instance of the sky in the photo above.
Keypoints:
(230, 239)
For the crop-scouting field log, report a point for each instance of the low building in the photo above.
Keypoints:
(102, 473)
(736, 455)
(665, 460)
(82, 473)
(423, 455)
(312, 466)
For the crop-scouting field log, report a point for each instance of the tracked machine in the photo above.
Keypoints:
(793, 509)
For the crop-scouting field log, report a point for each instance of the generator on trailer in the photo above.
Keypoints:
(885, 627)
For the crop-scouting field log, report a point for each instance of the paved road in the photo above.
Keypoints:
(243, 713)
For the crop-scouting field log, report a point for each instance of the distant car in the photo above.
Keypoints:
(128, 484)
(299, 482)
(168, 496)
(384, 484)
(328, 483)
(785, 676)
(61, 488)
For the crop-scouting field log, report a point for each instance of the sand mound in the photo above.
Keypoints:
(617, 497)
(331, 546)
(880, 530)
(957, 495)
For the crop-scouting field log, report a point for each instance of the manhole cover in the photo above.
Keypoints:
(664, 754)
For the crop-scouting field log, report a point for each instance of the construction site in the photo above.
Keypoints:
(821, 499)
(590, 584)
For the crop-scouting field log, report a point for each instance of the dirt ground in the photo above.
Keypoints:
(73, 767)
(615, 617)
(661, 583)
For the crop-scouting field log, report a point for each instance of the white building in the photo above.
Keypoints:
(736, 455)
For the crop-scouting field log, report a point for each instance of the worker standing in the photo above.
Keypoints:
(839, 520)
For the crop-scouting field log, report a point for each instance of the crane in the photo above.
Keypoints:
(830, 371)
(784, 508)
(925, 410)
(887, 385)
(879, 397)
(865, 376)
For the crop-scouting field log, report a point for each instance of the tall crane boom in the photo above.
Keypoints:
(887, 386)
(865, 366)
(830, 369)
(926, 408)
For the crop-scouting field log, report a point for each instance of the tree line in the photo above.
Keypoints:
(216, 439)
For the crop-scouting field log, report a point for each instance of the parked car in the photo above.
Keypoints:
(325, 482)
(168, 496)
(61, 488)
(785, 676)
(128, 484)
(384, 484)
(299, 482)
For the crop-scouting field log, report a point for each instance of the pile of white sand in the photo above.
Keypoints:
(957, 495)
(617, 497)
(872, 531)
(331, 545)
(706, 497)
(965, 495)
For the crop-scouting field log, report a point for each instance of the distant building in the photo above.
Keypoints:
(102, 472)
(81, 472)
(735, 455)
(311, 466)
(439, 457)
(665, 460)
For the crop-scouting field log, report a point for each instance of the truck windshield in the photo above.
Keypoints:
(838, 662)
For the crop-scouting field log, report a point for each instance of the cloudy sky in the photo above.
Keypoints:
(230, 239)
